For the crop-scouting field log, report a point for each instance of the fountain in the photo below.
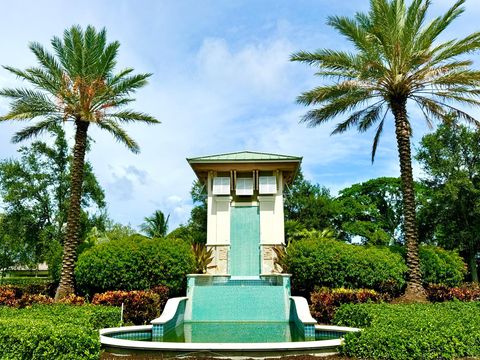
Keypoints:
(242, 306)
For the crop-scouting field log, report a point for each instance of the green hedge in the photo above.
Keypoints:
(317, 262)
(25, 280)
(54, 331)
(134, 263)
(419, 331)
(438, 266)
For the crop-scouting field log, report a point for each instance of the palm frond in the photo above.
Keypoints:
(357, 117)
(378, 134)
(34, 130)
(336, 107)
(28, 105)
(119, 134)
(128, 116)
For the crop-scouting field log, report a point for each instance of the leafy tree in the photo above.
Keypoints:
(10, 250)
(195, 231)
(34, 190)
(309, 204)
(76, 84)
(197, 225)
(396, 59)
(450, 158)
(155, 226)
(372, 210)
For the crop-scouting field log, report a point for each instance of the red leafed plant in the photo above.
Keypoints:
(140, 307)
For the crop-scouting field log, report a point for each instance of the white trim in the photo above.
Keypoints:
(145, 345)
(169, 310)
(303, 311)
(336, 328)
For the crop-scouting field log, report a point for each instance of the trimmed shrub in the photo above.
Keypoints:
(24, 280)
(54, 331)
(417, 331)
(140, 307)
(14, 296)
(438, 266)
(325, 301)
(317, 262)
(134, 263)
(29, 300)
(441, 293)
(29, 286)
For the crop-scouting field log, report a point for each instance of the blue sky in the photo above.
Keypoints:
(222, 82)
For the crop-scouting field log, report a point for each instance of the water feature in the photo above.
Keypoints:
(243, 307)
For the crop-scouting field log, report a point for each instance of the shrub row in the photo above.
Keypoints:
(317, 262)
(25, 280)
(466, 292)
(27, 286)
(134, 264)
(418, 331)
(322, 262)
(325, 301)
(15, 296)
(437, 265)
(140, 307)
(54, 331)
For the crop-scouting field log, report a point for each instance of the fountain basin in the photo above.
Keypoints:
(138, 340)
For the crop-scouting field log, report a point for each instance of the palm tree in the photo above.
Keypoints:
(76, 84)
(396, 60)
(155, 226)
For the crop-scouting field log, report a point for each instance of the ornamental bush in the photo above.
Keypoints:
(465, 292)
(325, 301)
(315, 262)
(54, 331)
(438, 266)
(140, 307)
(418, 331)
(134, 263)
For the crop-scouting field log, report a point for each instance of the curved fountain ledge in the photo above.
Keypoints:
(317, 346)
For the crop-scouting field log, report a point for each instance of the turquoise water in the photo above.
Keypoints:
(236, 332)
(229, 332)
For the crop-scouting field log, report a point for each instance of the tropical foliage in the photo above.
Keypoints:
(76, 84)
(203, 257)
(450, 158)
(155, 226)
(34, 190)
(397, 58)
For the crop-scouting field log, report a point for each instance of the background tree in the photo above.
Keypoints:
(450, 157)
(373, 210)
(34, 190)
(155, 226)
(396, 59)
(308, 205)
(198, 216)
(76, 84)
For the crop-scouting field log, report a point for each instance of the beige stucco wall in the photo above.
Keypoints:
(218, 227)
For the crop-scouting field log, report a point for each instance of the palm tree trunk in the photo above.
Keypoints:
(472, 264)
(415, 291)
(67, 285)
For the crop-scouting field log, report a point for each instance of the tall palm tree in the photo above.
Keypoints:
(156, 225)
(396, 60)
(76, 84)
